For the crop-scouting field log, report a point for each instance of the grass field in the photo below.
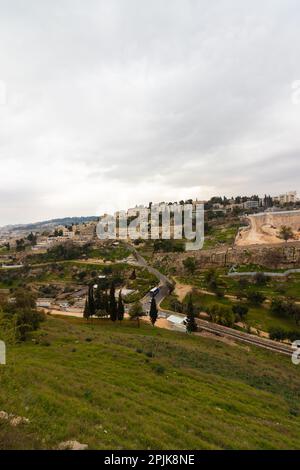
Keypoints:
(122, 387)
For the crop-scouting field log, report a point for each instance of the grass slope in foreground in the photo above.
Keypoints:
(117, 386)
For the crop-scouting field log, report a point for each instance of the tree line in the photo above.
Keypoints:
(101, 302)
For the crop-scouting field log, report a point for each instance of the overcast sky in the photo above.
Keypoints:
(108, 103)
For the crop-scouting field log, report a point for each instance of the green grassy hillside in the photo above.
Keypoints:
(118, 386)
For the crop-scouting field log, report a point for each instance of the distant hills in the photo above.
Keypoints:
(50, 223)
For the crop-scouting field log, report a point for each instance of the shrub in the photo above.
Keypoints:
(277, 334)
(240, 310)
(20, 315)
(256, 298)
(159, 369)
(260, 279)
(221, 315)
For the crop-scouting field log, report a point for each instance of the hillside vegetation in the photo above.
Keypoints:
(123, 387)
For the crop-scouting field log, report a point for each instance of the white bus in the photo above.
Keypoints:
(154, 291)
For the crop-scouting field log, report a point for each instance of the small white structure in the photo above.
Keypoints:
(64, 306)
(178, 323)
(176, 320)
(43, 303)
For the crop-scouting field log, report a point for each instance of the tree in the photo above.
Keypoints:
(153, 311)
(86, 311)
(176, 305)
(98, 298)
(120, 307)
(221, 315)
(256, 298)
(191, 325)
(240, 310)
(32, 238)
(212, 279)
(20, 244)
(91, 301)
(190, 265)
(58, 233)
(133, 275)
(260, 279)
(287, 309)
(136, 311)
(242, 283)
(21, 316)
(286, 233)
(277, 334)
(112, 303)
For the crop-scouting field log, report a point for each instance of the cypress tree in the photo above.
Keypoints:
(133, 275)
(153, 311)
(191, 325)
(112, 303)
(91, 301)
(86, 312)
(98, 298)
(120, 307)
(105, 302)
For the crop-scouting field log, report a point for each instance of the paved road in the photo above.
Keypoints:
(142, 262)
(164, 283)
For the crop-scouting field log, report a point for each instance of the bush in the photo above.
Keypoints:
(189, 265)
(159, 369)
(20, 316)
(221, 315)
(287, 309)
(279, 334)
(240, 310)
(212, 280)
(256, 298)
(149, 354)
(260, 279)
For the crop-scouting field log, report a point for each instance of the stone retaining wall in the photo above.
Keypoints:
(285, 255)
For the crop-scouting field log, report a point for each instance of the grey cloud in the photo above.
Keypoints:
(184, 94)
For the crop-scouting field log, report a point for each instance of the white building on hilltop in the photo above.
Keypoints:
(287, 198)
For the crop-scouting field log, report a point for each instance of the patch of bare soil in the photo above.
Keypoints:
(160, 323)
(264, 228)
(181, 290)
(68, 313)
